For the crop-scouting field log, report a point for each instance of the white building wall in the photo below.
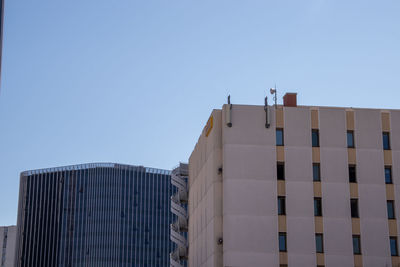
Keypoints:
(247, 194)
(371, 188)
(8, 254)
(338, 247)
(250, 220)
(299, 187)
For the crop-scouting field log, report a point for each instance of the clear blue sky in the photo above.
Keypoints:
(135, 81)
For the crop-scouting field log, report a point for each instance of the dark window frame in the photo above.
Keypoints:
(357, 238)
(352, 139)
(351, 179)
(321, 236)
(391, 214)
(280, 174)
(317, 206)
(388, 180)
(396, 252)
(313, 132)
(386, 146)
(354, 213)
(276, 135)
(281, 205)
(318, 178)
(282, 234)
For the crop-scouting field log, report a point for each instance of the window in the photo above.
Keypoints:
(315, 138)
(386, 141)
(390, 209)
(316, 172)
(354, 207)
(280, 171)
(317, 206)
(319, 243)
(388, 174)
(282, 241)
(281, 206)
(352, 174)
(393, 246)
(356, 244)
(350, 139)
(279, 137)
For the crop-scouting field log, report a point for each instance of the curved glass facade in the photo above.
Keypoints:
(94, 215)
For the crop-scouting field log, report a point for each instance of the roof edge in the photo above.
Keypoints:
(93, 166)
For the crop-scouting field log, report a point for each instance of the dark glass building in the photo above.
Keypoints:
(99, 214)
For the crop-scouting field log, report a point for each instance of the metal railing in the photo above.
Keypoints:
(179, 177)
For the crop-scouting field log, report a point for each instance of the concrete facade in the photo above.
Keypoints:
(233, 188)
(7, 245)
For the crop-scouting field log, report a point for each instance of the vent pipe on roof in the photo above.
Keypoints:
(290, 100)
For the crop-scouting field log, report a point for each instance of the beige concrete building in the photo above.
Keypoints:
(318, 186)
(8, 236)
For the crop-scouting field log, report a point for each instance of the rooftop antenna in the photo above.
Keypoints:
(267, 119)
(274, 92)
(228, 113)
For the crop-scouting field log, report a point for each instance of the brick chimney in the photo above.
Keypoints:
(290, 100)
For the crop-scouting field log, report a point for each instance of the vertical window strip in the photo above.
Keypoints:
(51, 236)
(39, 227)
(97, 179)
(141, 219)
(92, 199)
(169, 218)
(111, 227)
(28, 229)
(58, 219)
(63, 207)
(147, 217)
(43, 220)
(46, 218)
(152, 230)
(122, 233)
(74, 213)
(84, 211)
